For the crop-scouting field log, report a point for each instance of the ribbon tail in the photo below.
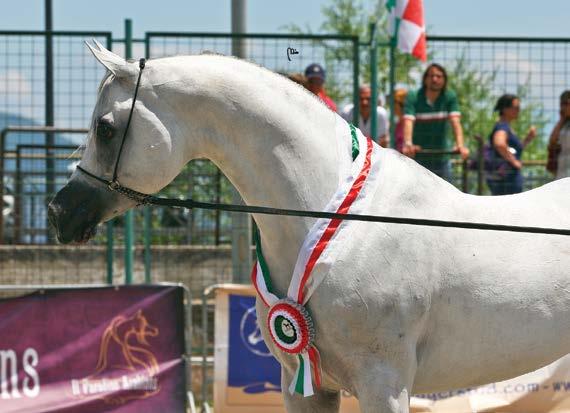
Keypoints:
(315, 358)
(302, 383)
(307, 376)
(296, 385)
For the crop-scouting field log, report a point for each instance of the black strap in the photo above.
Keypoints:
(141, 67)
(190, 203)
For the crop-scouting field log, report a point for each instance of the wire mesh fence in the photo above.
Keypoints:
(482, 69)
(201, 179)
(194, 247)
(36, 164)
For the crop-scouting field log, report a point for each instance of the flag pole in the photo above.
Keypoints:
(373, 84)
(393, 42)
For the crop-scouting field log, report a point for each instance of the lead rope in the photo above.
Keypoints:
(145, 199)
(142, 63)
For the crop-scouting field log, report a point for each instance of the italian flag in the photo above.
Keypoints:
(406, 23)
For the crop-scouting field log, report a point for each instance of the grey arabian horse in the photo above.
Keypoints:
(404, 309)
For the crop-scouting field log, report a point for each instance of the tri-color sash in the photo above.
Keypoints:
(289, 321)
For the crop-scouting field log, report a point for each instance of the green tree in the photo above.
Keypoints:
(353, 18)
(475, 89)
(477, 97)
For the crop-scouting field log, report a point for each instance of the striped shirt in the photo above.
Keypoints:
(431, 126)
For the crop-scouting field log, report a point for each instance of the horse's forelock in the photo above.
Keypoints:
(106, 79)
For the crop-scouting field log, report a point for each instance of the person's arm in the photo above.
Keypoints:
(455, 121)
(529, 136)
(346, 113)
(458, 133)
(555, 134)
(383, 125)
(500, 139)
(408, 148)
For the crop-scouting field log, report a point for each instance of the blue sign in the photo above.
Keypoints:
(250, 364)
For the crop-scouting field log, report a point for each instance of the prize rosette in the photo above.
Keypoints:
(290, 326)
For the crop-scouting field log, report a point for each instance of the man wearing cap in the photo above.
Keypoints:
(315, 75)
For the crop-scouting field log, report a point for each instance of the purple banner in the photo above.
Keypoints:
(93, 350)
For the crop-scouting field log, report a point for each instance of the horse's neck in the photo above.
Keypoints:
(274, 141)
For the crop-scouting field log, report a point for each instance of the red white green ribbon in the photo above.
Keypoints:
(289, 322)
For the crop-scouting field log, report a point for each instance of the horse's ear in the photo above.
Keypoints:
(115, 64)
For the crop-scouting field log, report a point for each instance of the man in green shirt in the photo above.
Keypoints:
(427, 114)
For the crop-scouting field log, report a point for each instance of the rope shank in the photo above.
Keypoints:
(190, 203)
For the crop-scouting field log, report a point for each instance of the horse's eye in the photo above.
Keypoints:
(105, 130)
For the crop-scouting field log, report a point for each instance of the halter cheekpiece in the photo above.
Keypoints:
(114, 184)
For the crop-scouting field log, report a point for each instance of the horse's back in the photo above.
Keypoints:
(547, 206)
(411, 190)
(481, 289)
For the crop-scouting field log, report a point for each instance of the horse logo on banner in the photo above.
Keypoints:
(126, 368)
(251, 334)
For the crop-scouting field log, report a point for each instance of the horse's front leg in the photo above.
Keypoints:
(384, 387)
(323, 401)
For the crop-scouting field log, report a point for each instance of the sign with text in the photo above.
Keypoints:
(110, 349)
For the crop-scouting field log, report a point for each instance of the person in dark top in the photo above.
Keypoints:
(505, 176)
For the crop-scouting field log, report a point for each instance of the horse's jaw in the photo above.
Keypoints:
(80, 206)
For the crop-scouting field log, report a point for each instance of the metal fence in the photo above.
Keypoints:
(62, 91)
(483, 68)
(37, 91)
(480, 68)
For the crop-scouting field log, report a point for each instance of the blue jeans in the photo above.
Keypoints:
(512, 183)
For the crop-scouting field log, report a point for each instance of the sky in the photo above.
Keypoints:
(443, 17)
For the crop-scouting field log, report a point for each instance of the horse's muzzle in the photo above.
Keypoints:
(75, 212)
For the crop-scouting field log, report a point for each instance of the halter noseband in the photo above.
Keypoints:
(114, 184)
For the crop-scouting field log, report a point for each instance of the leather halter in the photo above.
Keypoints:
(114, 184)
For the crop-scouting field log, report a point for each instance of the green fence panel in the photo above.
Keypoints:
(483, 68)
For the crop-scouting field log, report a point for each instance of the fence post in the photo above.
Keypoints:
(49, 102)
(129, 214)
(373, 84)
(480, 164)
(392, 88)
(110, 223)
(241, 223)
(147, 225)
(356, 80)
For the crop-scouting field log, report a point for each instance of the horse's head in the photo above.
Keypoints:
(142, 328)
(149, 160)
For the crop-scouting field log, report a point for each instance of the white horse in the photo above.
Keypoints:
(405, 309)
